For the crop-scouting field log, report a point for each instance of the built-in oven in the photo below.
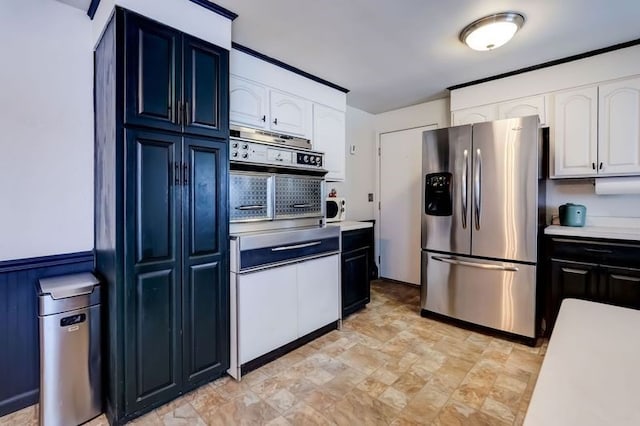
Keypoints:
(250, 196)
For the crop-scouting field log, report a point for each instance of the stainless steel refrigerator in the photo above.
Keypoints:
(480, 217)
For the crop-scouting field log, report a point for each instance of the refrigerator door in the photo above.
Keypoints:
(446, 191)
(499, 295)
(505, 189)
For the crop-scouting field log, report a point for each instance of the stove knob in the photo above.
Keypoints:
(234, 154)
(245, 146)
(306, 159)
(234, 145)
(245, 155)
(318, 159)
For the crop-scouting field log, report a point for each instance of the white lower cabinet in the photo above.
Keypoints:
(273, 307)
(267, 310)
(329, 136)
(619, 128)
(318, 293)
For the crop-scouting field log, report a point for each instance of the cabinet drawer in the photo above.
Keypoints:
(356, 239)
(601, 252)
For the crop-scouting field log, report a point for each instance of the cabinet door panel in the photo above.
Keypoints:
(205, 241)
(474, 115)
(290, 114)
(621, 286)
(571, 280)
(318, 293)
(329, 136)
(206, 86)
(534, 105)
(247, 103)
(619, 128)
(575, 133)
(153, 61)
(153, 352)
(355, 279)
(267, 311)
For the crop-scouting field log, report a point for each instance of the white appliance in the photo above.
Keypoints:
(336, 209)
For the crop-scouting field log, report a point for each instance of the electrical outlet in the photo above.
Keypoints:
(370, 197)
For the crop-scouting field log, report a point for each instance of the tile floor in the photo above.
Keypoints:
(387, 365)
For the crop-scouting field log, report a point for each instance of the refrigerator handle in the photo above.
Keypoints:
(477, 189)
(475, 265)
(463, 187)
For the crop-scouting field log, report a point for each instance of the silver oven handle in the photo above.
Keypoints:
(251, 207)
(463, 187)
(297, 246)
(477, 190)
(475, 265)
(301, 206)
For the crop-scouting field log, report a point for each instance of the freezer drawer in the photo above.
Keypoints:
(499, 295)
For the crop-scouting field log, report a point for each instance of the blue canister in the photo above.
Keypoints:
(572, 214)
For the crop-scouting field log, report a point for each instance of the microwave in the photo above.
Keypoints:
(336, 209)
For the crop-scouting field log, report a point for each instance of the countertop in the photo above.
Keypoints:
(590, 372)
(616, 228)
(349, 225)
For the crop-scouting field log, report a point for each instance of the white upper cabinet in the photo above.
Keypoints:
(574, 131)
(247, 102)
(477, 114)
(619, 128)
(329, 136)
(524, 107)
(289, 114)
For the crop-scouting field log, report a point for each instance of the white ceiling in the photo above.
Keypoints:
(396, 53)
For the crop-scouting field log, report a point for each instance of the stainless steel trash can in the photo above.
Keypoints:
(70, 370)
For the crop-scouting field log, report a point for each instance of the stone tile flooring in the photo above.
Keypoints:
(387, 365)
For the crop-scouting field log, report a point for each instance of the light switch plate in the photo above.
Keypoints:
(370, 197)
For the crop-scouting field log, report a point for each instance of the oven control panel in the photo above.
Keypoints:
(243, 151)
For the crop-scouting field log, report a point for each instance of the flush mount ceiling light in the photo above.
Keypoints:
(491, 31)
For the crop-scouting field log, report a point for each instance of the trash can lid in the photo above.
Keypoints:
(68, 285)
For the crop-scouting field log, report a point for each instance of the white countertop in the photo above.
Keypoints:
(590, 373)
(617, 228)
(349, 225)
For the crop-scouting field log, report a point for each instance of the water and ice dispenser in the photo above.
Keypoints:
(437, 194)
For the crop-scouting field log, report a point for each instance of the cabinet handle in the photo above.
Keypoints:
(602, 251)
(275, 121)
(187, 114)
(264, 118)
(593, 166)
(177, 173)
(601, 164)
(185, 174)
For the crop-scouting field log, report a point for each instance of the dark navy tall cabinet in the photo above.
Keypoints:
(161, 224)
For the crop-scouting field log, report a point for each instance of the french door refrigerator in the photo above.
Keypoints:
(480, 217)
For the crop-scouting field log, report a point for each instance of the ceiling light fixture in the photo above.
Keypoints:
(491, 31)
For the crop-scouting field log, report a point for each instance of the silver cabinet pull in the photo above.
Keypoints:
(297, 246)
(474, 265)
(301, 206)
(463, 187)
(477, 190)
(251, 207)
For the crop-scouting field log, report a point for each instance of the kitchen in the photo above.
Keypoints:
(59, 220)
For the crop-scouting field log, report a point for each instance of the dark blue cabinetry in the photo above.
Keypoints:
(161, 212)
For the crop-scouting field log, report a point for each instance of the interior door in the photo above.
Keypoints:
(205, 295)
(505, 189)
(400, 188)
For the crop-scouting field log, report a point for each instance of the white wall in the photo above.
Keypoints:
(360, 170)
(46, 101)
(434, 112)
(581, 191)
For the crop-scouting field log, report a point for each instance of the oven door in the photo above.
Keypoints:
(298, 196)
(250, 196)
